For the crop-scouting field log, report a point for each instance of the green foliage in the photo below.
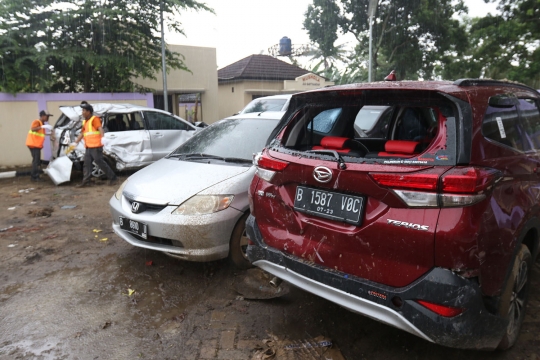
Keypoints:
(408, 36)
(84, 45)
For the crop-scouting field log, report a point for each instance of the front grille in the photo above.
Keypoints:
(148, 206)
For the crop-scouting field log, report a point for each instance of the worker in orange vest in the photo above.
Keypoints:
(35, 140)
(92, 132)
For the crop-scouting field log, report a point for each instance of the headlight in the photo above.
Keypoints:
(204, 204)
(118, 193)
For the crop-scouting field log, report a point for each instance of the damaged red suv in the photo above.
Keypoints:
(413, 203)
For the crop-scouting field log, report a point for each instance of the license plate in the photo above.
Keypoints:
(328, 204)
(134, 227)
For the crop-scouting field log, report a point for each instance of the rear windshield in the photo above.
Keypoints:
(261, 105)
(236, 138)
(380, 128)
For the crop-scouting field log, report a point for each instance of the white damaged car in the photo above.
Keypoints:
(136, 135)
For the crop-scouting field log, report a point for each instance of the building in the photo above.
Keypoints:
(261, 75)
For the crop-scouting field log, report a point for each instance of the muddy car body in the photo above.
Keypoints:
(413, 203)
(193, 204)
(136, 136)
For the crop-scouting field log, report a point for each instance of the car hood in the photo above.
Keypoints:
(172, 181)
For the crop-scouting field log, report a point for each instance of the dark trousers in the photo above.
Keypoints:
(95, 155)
(36, 162)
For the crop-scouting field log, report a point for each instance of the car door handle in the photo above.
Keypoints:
(158, 134)
(112, 136)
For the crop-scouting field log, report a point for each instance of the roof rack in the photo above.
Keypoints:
(487, 82)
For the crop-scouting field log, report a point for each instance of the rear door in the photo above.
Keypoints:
(166, 132)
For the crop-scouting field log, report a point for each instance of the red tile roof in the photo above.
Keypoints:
(260, 67)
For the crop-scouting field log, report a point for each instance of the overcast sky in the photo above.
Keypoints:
(244, 27)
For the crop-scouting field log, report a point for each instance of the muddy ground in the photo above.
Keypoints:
(70, 292)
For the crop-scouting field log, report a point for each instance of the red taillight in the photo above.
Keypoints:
(416, 181)
(269, 163)
(468, 180)
(446, 311)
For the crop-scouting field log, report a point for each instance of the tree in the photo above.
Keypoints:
(84, 45)
(506, 46)
(409, 36)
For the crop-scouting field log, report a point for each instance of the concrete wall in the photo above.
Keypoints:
(18, 111)
(201, 61)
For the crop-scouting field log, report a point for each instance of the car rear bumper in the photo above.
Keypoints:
(475, 328)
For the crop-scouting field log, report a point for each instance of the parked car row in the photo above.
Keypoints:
(412, 203)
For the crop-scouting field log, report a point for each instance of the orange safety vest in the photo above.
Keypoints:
(92, 137)
(35, 139)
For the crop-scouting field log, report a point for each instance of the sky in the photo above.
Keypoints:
(241, 28)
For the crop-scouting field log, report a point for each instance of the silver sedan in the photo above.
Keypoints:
(193, 203)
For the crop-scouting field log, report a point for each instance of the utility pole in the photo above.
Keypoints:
(163, 64)
(372, 7)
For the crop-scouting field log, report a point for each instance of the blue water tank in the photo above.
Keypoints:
(285, 46)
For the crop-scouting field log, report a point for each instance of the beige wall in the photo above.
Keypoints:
(15, 121)
(202, 78)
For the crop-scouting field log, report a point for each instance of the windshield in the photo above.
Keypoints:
(236, 138)
(260, 105)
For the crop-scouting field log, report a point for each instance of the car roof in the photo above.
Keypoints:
(267, 115)
(459, 88)
(74, 112)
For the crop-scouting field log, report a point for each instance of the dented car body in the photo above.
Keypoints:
(136, 136)
(412, 203)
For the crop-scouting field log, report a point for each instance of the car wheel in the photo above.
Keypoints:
(238, 244)
(514, 297)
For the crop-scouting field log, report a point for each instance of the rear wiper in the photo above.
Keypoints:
(340, 161)
(238, 160)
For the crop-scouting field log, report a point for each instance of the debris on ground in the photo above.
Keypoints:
(319, 347)
(130, 292)
(67, 207)
(255, 284)
(97, 230)
(104, 239)
(12, 245)
(12, 208)
(25, 191)
(106, 325)
(149, 263)
(43, 212)
(6, 229)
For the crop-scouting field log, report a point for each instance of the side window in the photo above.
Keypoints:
(530, 119)
(135, 121)
(324, 121)
(501, 125)
(159, 121)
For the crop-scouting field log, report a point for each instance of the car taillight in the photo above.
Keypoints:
(418, 181)
(268, 166)
(460, 186)
(443, 310)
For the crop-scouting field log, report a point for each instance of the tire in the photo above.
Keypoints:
(238, 244)
(514, 297)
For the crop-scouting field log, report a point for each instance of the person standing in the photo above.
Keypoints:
(92, 132)
(35, 140)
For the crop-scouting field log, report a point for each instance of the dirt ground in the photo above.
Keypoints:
(71, 289)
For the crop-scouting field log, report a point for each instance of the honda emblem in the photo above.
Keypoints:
(135, 206)
(322, 174)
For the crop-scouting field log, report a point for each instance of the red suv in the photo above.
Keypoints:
(413, 203)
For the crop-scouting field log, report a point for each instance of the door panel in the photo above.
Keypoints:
(166, 133)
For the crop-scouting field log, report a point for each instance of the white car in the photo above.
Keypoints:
(136, 136)
(268, 103)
